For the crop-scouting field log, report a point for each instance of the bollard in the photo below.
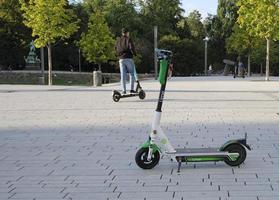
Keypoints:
(97, 78)
(41, 80)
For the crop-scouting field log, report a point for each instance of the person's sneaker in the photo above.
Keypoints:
(123, 92)
(132, 91)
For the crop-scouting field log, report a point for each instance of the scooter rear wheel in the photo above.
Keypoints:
(236, 148)
(142, 94)
(141, 159)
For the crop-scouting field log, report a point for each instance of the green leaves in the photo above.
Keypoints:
(260, 18)
(49, 20)
(163, 13)
(239, 42)
(97, 44)
(195, 25)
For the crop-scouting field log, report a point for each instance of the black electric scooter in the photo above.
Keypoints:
(237, 73)
(116, 95)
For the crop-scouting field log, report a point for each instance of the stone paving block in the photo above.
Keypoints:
(254, 193)
(38, 189)
(192, 188)
(147, 195)
(141, 189)
(35, 195)
(269, 198)
(4, 195)
(92, 189)
(200, 194)
(246, 188)
(91, 195)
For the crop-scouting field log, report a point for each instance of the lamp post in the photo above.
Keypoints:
(206, 39)
(42, 66)
(79, 61)
(155, 47)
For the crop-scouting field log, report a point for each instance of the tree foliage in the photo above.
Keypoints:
(55, 21)
(97, 43)
(13, 34)
(239, 42)
(195, 25)
(49, 20)
(122, 13)
(163, 13)
(260, 17)
(188, 54)
(227, 14)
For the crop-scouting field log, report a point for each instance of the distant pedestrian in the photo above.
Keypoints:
(125, 50)
(210, 70)
(240, 69)
(71, 68)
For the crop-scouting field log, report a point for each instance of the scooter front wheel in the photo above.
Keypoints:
(236, 148)
(141, 159)
(116, 97)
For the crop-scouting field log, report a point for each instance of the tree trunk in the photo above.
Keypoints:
(267, 59)
(249, 65)
(49, 64)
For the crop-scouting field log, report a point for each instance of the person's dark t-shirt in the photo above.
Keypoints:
(125, 47)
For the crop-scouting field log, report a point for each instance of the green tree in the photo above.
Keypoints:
(216, 45)
(227, 14)
(49, 20)
(260, 18)
(187, 54)
(162, 13)
(242, 43)
(13, 34)
(97, 44)
(195, 25)
(218, 28)
(183, 29)
(122, 13)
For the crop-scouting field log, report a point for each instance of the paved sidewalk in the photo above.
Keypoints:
(75, 143)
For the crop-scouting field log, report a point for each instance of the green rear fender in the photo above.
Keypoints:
(152, 146)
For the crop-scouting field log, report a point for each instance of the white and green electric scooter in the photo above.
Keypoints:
(232, 152)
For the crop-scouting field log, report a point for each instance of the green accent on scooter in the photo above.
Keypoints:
(154, 147)
(163, 71)
(203, 159)
(233, 156)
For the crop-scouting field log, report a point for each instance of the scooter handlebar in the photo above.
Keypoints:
(163, 54)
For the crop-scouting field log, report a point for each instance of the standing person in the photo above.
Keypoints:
(125, 50)
(210, 70)
(240, 69)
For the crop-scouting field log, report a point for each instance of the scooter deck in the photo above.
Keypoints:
(196, 150)
(198, 155)
(125, 95)
(129, 95)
